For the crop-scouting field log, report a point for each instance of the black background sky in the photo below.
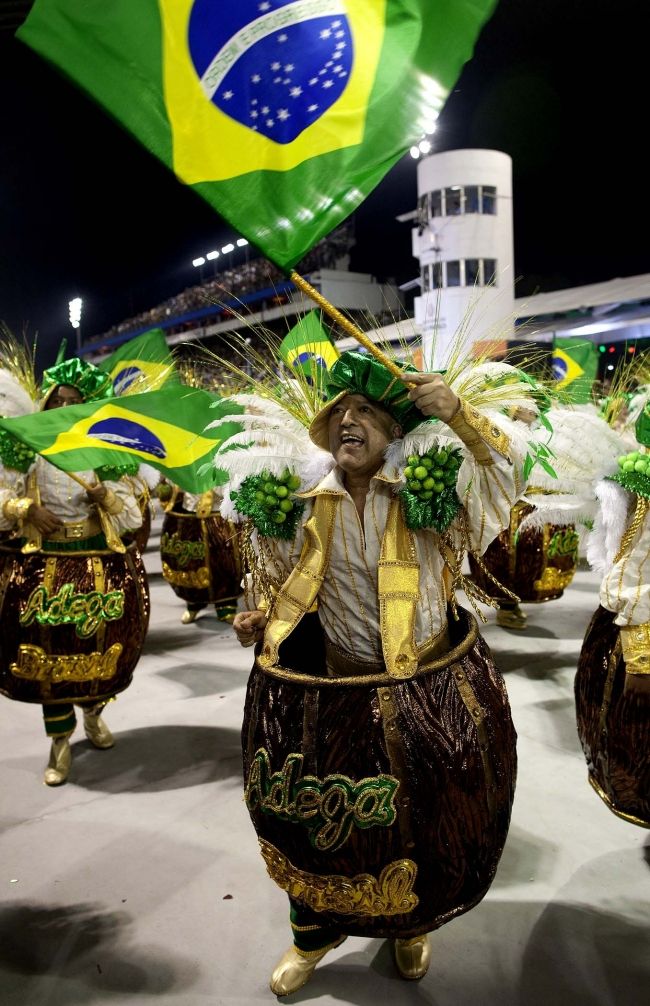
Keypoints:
(560, 85)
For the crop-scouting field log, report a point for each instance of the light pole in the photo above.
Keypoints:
(74, 307)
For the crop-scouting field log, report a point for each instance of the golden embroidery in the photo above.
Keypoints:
(398, 589)
(193, 578)
(389, 894)
(37, 665)
(635, 641)
(553, 579)
(479, 434)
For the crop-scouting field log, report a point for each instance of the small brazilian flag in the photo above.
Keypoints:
(141, 364)
(575, 365)
(166, 429)
(282, 114)
(308, 348)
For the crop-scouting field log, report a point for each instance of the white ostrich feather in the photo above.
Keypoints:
(585, 449)
(609, 525)
(559, 509)
(149, 475)
(14, 400)
(315, 467)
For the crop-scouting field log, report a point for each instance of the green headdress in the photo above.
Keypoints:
(359, 374)
(91, 382)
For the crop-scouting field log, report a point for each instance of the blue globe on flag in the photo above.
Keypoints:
(275, 66)
(127, 433)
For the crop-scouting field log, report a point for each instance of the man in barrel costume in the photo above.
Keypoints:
(75, 600)
(379, 751)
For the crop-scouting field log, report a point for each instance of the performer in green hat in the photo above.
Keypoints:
(75, 600)
(612, 686)
(379, 751)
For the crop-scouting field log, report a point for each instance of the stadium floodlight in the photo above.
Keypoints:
(198, 262)
(212, 255)
(241, 242)
(74, 308)
(425, 146)
(414, 152)
(227, 249)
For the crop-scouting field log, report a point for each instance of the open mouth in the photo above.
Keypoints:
(351, 440)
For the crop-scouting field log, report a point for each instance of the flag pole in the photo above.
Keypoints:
(80, 481)
(346, 324)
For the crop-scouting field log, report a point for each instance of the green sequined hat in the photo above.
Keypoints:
(360, 374)
(642, 428)
(91, 382)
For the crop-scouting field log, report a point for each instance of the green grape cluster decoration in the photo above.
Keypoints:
(429, 497)
(634, 473)
(267, 500)
(113, 473)
(14, 454)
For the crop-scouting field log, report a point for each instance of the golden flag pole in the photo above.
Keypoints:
(346, 324)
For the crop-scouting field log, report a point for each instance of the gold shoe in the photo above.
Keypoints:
(96, 730)
(58, 767)
(412, 957)
(189, 616)
(296, 968)
(511, 618)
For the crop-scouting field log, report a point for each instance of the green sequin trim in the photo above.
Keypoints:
(329, 808)
(14, 454)
(634, 482)
(85, 611)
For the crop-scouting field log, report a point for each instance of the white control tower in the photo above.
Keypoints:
(464, 241)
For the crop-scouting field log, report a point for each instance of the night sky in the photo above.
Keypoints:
(560, 85)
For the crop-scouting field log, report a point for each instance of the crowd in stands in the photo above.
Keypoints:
(235, 283)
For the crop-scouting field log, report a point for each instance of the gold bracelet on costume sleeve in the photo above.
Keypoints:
(479, 434)
(16, 509)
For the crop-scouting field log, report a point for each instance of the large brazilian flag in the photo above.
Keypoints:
(166, 429)
(282, 114)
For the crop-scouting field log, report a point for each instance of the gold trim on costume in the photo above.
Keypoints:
(553, 579)
(476, 711)
(398, 590)
(619, 813)
(299, 591)
(389, 894)
(642, 505)
(16, 509)
(479, 433)
(635, 641)
(459, 651)
(34, 664)
(199, 578)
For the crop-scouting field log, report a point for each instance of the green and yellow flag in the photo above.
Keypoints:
(309, 349)
(575, 365)
(166, 429)
(141, 364)
(282, 114)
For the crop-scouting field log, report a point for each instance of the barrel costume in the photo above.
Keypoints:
(612, 685)
(74, 602)
(200, 554)
(379, 750)
(536, 556)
